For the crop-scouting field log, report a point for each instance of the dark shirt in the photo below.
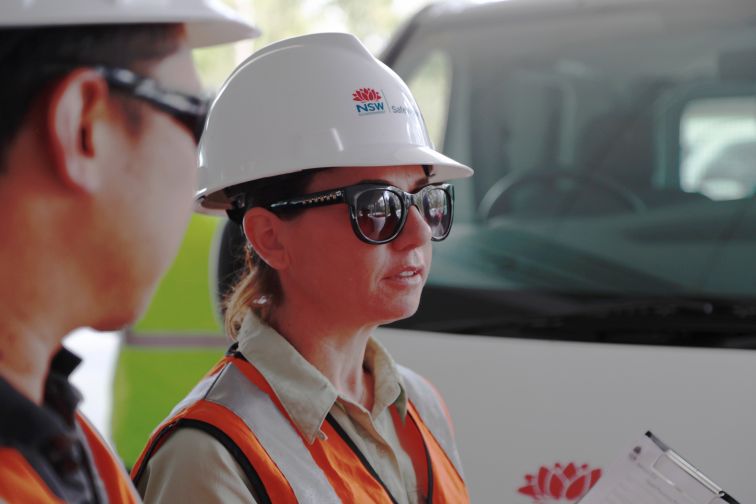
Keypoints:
(49, 437)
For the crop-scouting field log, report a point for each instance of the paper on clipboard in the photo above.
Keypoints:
(651, 473)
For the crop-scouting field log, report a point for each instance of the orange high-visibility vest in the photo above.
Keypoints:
(21, 484)
(235, 404)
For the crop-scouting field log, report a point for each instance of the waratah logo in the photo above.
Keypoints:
(366, 94)
(560, 484)
(370, 101)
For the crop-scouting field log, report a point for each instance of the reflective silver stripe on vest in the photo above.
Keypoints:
(198, 392)
(276, 435)
(428, 405)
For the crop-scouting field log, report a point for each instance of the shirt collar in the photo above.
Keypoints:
(388, 384)
(35, 426)
(305, 393)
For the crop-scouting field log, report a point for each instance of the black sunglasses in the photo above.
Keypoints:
(378, 212)
(189, 110)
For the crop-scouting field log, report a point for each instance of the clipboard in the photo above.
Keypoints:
(650, 472)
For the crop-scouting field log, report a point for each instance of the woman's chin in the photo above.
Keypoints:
(399, 313)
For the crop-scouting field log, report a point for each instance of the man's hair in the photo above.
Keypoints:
(32, 58)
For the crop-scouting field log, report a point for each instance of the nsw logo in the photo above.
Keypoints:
(370, 101)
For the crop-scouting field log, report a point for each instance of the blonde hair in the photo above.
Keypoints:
(258, 289)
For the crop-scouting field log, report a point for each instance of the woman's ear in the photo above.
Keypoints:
(263, 230)
(78, 104)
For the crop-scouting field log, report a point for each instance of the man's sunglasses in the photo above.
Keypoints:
(378, 212)
(189, 110)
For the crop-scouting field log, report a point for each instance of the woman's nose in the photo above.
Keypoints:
(416, 231)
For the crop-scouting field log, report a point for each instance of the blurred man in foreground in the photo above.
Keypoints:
(98, 131)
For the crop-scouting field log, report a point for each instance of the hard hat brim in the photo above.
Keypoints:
(206, 25)
(212, 201)
(211, 33)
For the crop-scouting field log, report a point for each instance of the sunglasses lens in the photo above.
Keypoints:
(379, 214)
(437, 211)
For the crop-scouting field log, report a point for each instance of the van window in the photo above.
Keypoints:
(718, 144)
(613, 195)
(430, 85)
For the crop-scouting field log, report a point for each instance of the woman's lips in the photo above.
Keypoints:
(407, 275)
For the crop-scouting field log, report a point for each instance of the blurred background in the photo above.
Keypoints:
(373, 21)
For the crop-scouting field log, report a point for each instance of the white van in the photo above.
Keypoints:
(600, 279)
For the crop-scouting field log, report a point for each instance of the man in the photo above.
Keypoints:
(99, 120)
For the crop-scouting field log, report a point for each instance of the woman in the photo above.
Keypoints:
(319, 151)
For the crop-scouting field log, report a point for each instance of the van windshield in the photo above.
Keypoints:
(615, 169)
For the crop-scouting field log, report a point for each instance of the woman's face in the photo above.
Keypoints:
(335, 274)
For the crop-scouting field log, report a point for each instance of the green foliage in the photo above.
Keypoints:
(368, 19)
(281, 19)
(183, 302)
(215, 64)
(373, 21)
(148, 383)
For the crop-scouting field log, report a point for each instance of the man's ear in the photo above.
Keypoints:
(263, 230)
(77, 106)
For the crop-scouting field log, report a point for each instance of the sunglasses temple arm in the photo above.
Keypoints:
(309, 201)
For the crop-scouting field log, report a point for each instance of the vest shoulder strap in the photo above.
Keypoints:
(112, 474)
(19, 482)
(429, 405)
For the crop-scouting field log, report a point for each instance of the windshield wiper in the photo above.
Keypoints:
(661, 306)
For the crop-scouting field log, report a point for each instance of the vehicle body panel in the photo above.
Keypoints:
(521, 404)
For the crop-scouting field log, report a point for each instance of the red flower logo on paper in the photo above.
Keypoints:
(366, 94)
(560, 483)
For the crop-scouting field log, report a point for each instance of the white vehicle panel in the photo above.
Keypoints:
(520, 404)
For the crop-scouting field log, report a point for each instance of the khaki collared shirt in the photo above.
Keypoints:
(193, 467)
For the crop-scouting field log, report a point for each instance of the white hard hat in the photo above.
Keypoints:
(314, 101)
(208, 22)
